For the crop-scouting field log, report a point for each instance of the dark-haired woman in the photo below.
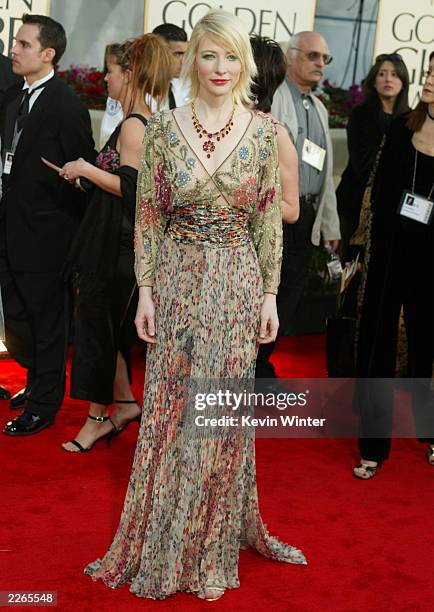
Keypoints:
(386, 96)
(271, 64)
(399, 273)
(102, 257)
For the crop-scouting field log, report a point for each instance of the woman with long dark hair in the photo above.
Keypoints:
(386, 97)
(271, 70)
(398, 272)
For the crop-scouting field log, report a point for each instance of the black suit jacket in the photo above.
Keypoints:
(7, 77)
(42, 211)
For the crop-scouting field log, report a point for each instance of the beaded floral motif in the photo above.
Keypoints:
(268, 198)
(246, 194)
(182, 178)
(192, 502)
(250, 187)
(163, 189)
(173, 138)
(147, 214)
(108, 160)
(244, 153)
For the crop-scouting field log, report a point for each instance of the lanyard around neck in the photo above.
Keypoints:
(414, 177)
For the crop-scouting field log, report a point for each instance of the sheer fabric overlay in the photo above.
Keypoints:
(209, 246)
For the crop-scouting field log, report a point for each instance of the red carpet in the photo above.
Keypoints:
(369, 545)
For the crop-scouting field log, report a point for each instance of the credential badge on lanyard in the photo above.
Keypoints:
(414, 206)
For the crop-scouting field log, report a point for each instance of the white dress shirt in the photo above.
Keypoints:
(181, 93)
(27, 87)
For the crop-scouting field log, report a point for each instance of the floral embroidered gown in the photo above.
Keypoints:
(210, 246)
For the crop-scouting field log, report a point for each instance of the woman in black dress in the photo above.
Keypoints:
(101, 261)
(399, 273)
(386, 96)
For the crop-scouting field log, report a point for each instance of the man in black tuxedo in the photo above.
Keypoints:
(39, 214)
(7, 79)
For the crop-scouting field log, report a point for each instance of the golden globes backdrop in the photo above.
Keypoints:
(408, 29)
(11, 12)
(278, 19)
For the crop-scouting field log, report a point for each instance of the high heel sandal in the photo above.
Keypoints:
(109, 435)
(138, 418)
(211, 593)
(369, 471)
(430, 455)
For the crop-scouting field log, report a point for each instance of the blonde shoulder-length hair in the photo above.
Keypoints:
(229, 32)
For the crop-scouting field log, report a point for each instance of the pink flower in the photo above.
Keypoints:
(268, 198)
(246, 194)
(163, 190)
(148, 213)
(108, 160)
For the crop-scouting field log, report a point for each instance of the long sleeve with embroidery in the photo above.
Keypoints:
(266, 218)
(153, 194)
(221, 249)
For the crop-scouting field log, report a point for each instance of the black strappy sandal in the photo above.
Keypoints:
(138, 418)
(109, 435)
(368, 470)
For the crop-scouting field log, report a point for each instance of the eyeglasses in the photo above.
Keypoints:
(314, 56)
(383, 57)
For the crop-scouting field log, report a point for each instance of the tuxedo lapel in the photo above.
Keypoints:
(33, 123)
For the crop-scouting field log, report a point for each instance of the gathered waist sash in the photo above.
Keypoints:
(225, 227)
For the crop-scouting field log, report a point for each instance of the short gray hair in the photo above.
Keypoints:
(294, 41)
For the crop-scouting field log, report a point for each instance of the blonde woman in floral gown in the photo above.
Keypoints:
(208, 253)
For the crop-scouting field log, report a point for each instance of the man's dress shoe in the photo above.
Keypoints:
(4, 394)
(17, 400)
(26, 424)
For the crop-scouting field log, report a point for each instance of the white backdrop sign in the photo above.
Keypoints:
(408, 29)
(11, 12)
(278, 19)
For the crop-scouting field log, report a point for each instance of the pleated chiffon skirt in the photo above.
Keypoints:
(192, 500)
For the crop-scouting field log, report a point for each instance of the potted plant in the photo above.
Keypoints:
(339, 102)
(88, 83)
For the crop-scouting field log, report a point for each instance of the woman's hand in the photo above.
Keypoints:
(269, 320)
(145, 316)
(72, 170)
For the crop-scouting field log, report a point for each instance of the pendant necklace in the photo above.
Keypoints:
(209, 146)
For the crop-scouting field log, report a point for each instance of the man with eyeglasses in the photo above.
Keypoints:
(306, 120)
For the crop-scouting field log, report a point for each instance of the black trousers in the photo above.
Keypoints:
(297, 252)
(37, 308)
(410, 288)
